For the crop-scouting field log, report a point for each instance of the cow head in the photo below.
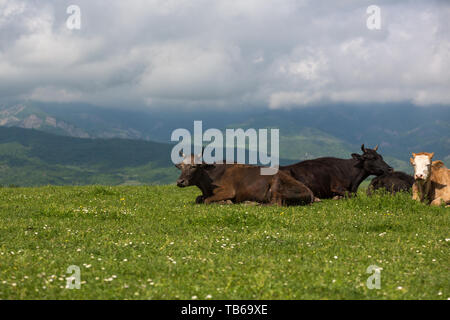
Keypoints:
(371, 162)
(191, 170)
(422, 165)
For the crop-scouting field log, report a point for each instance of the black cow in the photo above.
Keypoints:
(332, 177)
(393, 182)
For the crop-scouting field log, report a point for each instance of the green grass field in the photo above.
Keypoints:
(155, 243)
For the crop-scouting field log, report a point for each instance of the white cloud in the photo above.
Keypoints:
(191, 71)
(281, 99)
(52, 94)
(225, 53)
(9, 9)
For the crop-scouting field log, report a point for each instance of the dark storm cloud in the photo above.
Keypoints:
(225, 53)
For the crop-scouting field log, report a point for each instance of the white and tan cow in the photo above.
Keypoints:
(432, 180)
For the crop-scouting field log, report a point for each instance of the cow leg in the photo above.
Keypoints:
(221, 195)
(437, 202)
(200, 199)
(278, 191)
(287, 191)
(340, 192)
(274, 191)
(415, 192)
(276, 198)
(301, 199)
(251, 203)
(225, 202)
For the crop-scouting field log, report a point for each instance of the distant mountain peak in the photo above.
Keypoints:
(29, 117)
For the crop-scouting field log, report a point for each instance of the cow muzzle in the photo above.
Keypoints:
(419, 177)
(181, 183)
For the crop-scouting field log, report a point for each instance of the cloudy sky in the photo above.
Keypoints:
(225, 53)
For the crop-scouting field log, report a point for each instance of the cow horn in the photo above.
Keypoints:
(431, 155)
(362, 148)
(376, 148)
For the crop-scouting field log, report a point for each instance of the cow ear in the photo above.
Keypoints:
(411, 160)
(178, 166)
(359, 159)
(198, 159)
(414, 155)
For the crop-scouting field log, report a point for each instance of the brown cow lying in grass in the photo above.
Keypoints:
(240, 183)
(432, 180)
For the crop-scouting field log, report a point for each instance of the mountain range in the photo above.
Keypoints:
(48, 143)
(29, 157)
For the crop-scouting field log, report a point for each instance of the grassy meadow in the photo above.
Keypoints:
(153, 242)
